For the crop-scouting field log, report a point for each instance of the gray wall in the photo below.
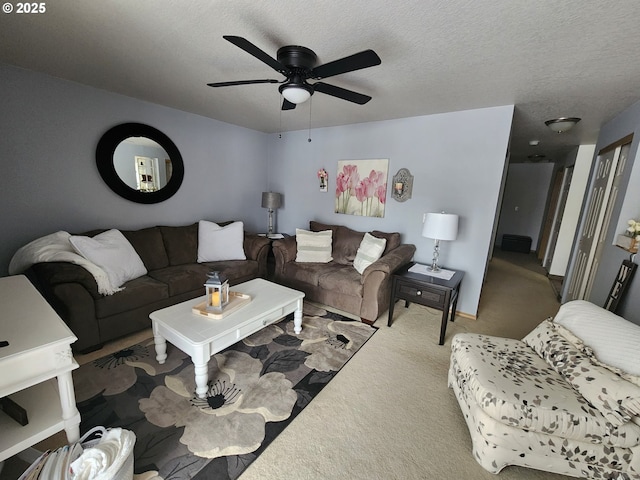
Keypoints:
(626, 207)
(49, 129)
(526, 190)
(457, 160)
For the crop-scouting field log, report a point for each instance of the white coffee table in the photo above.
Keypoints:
(201, 337)
(39, 351)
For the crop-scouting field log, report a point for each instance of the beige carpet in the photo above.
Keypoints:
(389, 414)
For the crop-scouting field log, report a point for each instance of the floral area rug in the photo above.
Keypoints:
(256, 388)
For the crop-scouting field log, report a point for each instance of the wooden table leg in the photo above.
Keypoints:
(297, 318)
(392, 304)
(70, 413)
(443, 326)
(202, 378)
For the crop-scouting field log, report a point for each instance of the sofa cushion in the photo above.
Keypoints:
(149, 245)
(513, 385)
(220, 243)
(310, 273)
(182, 278)
(617, 399)
(579, 344)
(320, 227)
(138, 293)
(369, 251)
(346, 241)
(313, 247)
(393, 239)
(341, 279)
(181, 244)
(112, 252)
(235, 270)
(613, 339)
(345, 247)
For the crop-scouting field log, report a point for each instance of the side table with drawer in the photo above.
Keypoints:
(426, 290)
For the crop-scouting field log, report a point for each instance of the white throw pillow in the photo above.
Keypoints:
(216, 243)
(369, 251)
(313, 247)
(613, 339)
(112, 252)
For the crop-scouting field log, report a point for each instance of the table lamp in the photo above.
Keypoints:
(439, 226)
(272, 201)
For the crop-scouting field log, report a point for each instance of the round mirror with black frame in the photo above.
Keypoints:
(139, 163)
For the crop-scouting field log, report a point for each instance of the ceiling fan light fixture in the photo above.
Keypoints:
(298, 64)
(562, 124)
(296, 93)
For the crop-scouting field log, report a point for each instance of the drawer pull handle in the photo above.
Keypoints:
(418, 293)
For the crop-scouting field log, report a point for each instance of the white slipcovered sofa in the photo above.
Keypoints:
(564, 399)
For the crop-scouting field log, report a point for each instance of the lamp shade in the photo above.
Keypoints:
(440, 226)
(271, 200)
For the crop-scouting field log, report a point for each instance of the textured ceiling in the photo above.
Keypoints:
(548, 58)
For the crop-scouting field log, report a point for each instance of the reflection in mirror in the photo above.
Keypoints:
(142, 164)
(139, 163)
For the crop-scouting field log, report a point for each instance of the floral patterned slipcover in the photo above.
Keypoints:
(545, 402)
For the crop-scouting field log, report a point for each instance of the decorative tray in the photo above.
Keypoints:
(236, 300)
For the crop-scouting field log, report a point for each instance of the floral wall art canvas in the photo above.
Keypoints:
(361, 187)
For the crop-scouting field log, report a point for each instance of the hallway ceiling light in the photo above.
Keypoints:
(562, 124)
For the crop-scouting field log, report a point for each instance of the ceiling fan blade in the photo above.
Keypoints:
(342, 93)
(357, 61)
(251, 49)
(287, 105)
(241, 82)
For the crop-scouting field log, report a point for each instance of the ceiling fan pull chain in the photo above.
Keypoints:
(280, 110)
(310, 103)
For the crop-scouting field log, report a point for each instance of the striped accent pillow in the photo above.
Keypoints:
(613, 340)
(313, 247)
(370, 251)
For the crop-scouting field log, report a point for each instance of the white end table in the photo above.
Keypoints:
(201, 337)
(39, 351)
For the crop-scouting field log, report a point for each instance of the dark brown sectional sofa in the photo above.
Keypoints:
(174, 275)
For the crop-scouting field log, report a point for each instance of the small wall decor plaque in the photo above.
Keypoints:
(323, 176)
(402, 185)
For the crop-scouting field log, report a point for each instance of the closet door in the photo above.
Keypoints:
(610, 166)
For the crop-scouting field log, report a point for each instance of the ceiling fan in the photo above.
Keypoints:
(298, 64)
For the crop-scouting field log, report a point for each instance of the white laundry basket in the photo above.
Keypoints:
(107, 457)
(101, 454)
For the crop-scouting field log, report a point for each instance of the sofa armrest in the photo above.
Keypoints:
(284, 251)
(255, 247)
(390, 262)
(376, 281)
(48, 274)
(72, 292)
